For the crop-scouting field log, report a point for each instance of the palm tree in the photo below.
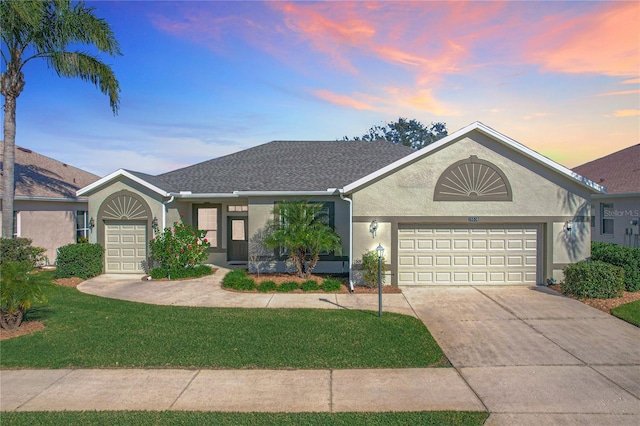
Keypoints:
(37, 29)
(20, 287)
(301, 229)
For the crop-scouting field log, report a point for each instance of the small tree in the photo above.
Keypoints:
(182, 247)
(301, 229)
(20, 287)
(370, 268)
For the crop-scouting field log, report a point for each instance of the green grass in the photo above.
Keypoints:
(89, 331)
(199, 418)
(630, 312)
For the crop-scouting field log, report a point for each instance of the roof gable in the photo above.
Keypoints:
(618, 172)
(39, 176)
(452, 138)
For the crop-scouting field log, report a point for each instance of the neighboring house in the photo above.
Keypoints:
(615, 216)
(46, 207)
(473, 208)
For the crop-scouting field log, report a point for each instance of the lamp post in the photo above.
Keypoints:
(380, 251)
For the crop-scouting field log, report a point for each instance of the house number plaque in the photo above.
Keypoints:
(473, 219)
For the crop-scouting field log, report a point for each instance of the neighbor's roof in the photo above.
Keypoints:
(275, 166)
(38, 176)
(618, 172)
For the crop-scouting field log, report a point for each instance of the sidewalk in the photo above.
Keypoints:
(427, 389)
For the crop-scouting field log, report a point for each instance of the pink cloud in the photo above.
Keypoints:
(626, 113)
(621, 92)
(343, 100)
(603, 41)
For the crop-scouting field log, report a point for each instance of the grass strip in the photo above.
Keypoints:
(85, 331)
(630, 312)
(142, 418)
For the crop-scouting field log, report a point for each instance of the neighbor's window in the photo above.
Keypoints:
(82, 224)
(607, 220)
(16, 224)
(238, 208)
(208, 219)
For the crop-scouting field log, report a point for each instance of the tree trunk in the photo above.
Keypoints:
(312, 264)
(8, 162)
(10, 322)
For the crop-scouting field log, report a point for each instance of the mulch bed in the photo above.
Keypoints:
(605, 305)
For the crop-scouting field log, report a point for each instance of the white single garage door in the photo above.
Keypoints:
(467, 255)
(125, 247)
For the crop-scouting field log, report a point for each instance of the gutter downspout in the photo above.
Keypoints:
(350, 201)
(164, 214)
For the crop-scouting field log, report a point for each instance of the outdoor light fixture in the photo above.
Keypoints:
(373, 228)
(92, 223)
(380, 251)
(568, 225)
(154, 223)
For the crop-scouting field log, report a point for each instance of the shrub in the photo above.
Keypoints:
(20, 249)
(195, 272)
(267, 286)
(310, 285)
(238, 280)
(370, 268)
(179, 248)
(20, 287)
(593, 279)
(79, 260)
(287, 287)
(625, 257)
(331, 284)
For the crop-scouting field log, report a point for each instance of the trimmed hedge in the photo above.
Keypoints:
(238, 280)
(20, 250)
(287, 286)
(624, 257)
(194, 272)
(330, 284)
(79, 260)
(310, 285)
(594, 279)
(267, 286)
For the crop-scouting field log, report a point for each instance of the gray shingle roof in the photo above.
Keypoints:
(37, 175)
(284, 166)
(618, 172)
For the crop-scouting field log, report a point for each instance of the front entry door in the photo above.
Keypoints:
(237, 244)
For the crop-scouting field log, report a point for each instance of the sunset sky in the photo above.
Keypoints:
(204, 79)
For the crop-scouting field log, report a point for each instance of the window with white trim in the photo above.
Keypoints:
(207, 218)
(237, 208)
(82, 224)
(605, 218)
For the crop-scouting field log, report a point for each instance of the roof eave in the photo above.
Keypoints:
(115, 175)
(489, 132)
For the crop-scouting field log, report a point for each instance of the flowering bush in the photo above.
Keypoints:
(179, 248)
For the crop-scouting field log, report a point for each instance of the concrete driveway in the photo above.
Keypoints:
(535, 357)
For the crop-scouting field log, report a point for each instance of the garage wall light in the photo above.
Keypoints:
(92, 223)
(154, 223)
(373, 228)
(568, 225)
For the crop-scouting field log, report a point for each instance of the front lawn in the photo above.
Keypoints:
(630, 312)
(110, 418)
(87, 331)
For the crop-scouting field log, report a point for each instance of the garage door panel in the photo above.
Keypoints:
(468, 255)
(125, 246)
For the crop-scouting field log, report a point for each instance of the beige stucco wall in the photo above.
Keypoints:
(49, 224)
(625, 210)
(540, 196)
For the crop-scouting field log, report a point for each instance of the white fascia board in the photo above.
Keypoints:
(460, 133)
(185, 195)
(120, 173)
(619, 195)
(53, 199)
(329, 191)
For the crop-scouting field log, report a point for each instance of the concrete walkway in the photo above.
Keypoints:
(527, 355)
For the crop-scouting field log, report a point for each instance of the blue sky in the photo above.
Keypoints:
(204, 79)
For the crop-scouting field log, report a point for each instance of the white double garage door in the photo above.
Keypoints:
(468, 255)
(125, 247)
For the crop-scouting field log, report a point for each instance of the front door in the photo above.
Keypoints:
(237, 244)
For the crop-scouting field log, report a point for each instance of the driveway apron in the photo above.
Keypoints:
(530, 352)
